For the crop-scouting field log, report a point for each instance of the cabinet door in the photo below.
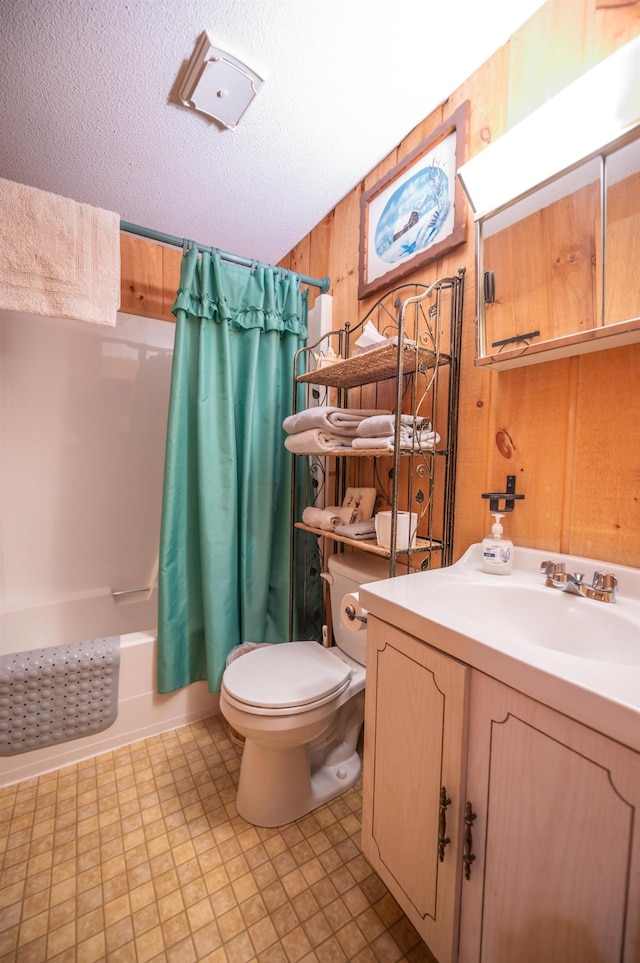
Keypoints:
(556, 874)
(412, 779)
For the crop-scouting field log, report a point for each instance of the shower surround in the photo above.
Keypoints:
(83, 414)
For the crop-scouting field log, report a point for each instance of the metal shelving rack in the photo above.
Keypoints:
(417, 368)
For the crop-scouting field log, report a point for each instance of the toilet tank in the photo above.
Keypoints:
(348, 572)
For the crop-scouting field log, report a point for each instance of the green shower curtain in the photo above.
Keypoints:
(224, 545)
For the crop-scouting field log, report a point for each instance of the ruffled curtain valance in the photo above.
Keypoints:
(263, 297)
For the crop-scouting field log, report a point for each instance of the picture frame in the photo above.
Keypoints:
(417, 212)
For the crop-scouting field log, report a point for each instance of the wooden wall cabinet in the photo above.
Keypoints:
(542, 859)
(555, 273)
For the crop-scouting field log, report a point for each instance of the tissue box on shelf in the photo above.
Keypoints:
(371, 338)
(324, 360)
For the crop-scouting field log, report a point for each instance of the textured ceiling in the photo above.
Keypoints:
(88, 106)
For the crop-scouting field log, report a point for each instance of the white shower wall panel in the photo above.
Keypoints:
(83, 414)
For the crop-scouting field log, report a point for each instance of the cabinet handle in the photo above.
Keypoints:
(443, 839)
(468, 857)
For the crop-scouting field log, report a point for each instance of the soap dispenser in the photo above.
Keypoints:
(497, 552)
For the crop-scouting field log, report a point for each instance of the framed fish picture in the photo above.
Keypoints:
(416, 212)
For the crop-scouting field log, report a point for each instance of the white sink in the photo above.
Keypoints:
(545, 616)
(576, 654)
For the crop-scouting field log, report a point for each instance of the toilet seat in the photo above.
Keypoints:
(285, 678)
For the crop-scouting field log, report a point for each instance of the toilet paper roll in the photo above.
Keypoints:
(353, 618)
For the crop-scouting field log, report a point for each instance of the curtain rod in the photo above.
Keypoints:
(129, 228)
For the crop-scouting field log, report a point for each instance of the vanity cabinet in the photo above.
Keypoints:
(556, 874)
(413, 779)
(542, 853)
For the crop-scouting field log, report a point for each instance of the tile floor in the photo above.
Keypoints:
(139, 855)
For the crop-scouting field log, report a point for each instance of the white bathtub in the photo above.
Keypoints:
(141, 711)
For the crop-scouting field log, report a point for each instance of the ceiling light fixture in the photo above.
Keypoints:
(217, 84)
(578, 122)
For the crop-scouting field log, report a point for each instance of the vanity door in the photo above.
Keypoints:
(413, 779)
(552, 840)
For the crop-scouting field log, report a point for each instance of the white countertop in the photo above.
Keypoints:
(597, 692)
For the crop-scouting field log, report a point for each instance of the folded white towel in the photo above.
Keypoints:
(383, 425)
(339, 421)
(422, 439)
(315, 441)
(408, 439)
(59, 258)
(386, 440)
(360, 530)
(327, 518)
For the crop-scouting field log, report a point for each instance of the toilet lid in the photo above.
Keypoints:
(286, 675)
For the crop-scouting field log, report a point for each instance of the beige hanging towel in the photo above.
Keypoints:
(58, 257)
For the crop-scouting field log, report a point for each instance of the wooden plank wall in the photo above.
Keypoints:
(570, 429)
(149, 277)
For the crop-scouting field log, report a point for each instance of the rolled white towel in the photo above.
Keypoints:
(338, 421)
(315, 441)
(327, 518)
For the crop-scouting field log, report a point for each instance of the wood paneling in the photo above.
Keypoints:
(141, 280)
(171, 259)
(149, 277)
(569, 430)
(605, 487)
(343, 270)
(546, 54)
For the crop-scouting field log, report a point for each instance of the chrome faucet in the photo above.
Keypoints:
(602, 588)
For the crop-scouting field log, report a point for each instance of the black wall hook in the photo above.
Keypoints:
(509, 497)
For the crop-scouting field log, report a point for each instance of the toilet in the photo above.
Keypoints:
(300, 708)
